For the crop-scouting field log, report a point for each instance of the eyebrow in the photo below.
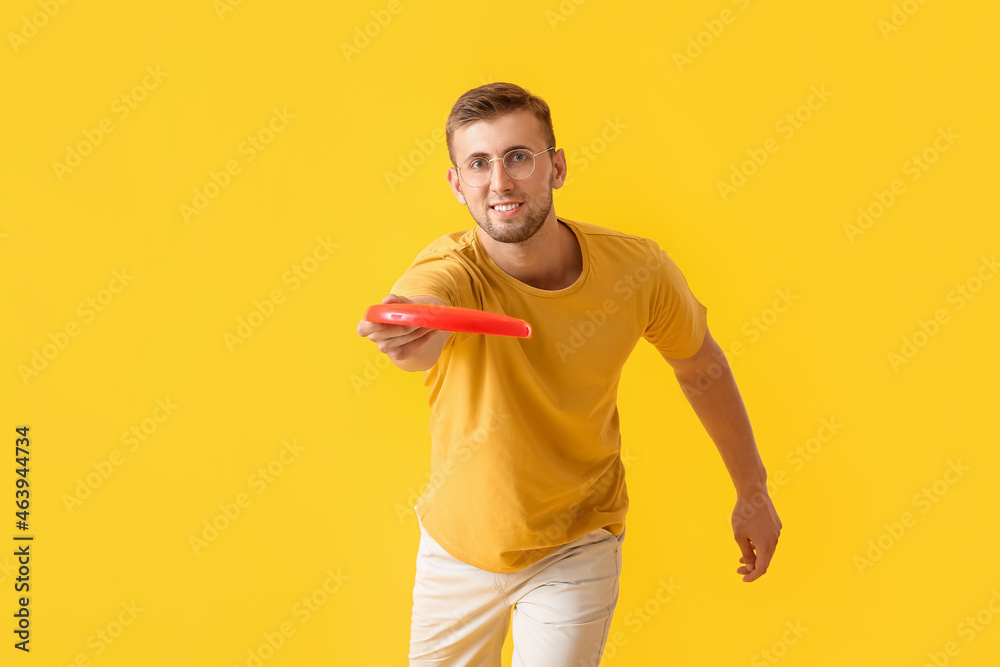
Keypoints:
(506, 150)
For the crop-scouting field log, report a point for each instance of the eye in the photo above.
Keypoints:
(519, 156)
(476, 164)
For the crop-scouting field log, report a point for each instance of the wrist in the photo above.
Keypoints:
(755, 488)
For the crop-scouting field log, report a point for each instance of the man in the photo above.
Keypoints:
(527, 500)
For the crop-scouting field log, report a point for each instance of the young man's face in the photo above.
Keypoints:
(534, 193)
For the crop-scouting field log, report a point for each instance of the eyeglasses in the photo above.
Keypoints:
(518, 163)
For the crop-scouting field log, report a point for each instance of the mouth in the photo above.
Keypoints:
(506, 209)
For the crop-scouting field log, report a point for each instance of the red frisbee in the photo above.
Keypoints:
(449, 318)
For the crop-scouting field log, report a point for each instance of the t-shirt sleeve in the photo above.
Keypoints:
(677, 320)
(439, 274)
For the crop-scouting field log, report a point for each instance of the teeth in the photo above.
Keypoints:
(506, 207)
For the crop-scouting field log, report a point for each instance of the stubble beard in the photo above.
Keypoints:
(532, 219)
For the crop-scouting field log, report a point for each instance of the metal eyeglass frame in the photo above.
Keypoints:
(503, 162)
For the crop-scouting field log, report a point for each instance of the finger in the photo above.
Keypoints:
(410, 349)
(379, 331)
(413, 334)
(396, 343)
(763, 561)
(367, 328)
(764, 555)
(393, 298)
(749, 557)
(752, 576)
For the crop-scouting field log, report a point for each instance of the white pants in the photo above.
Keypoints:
(562, 606)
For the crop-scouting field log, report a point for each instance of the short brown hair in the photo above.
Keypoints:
(492, 100)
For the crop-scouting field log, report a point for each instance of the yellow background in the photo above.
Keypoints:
(304, 375)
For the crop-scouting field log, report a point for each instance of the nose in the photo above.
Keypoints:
(500, 180)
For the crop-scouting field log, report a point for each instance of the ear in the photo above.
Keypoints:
(456, 186)
(559, 167)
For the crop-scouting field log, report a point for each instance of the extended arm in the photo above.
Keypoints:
(708, 384)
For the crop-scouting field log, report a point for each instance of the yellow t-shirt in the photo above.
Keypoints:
(525, 440)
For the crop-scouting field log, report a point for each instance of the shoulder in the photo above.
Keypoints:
(612, 239)
(457, 245)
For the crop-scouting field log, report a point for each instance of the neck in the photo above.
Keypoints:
(549, 260)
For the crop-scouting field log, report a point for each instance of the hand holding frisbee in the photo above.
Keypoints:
(448, 318)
